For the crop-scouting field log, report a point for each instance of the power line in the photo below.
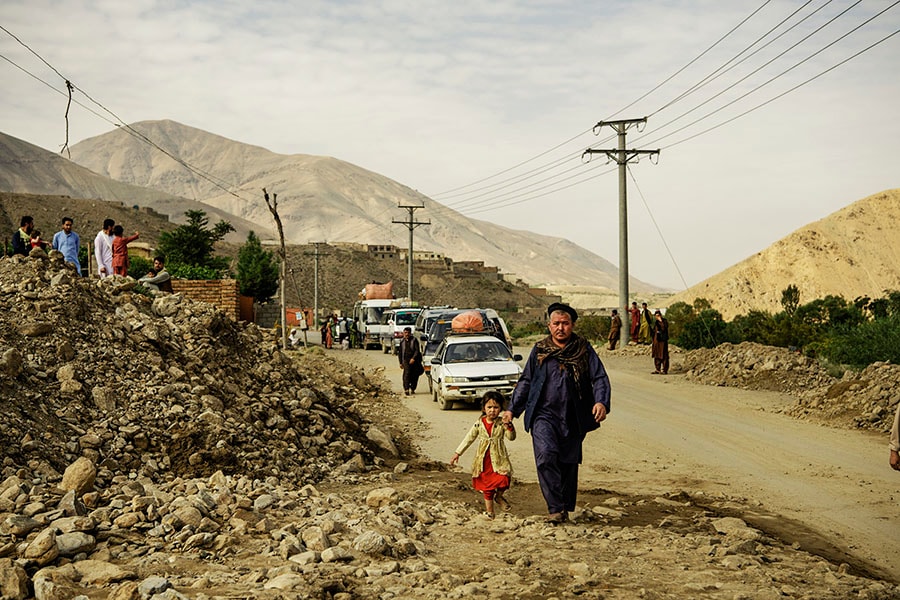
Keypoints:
(721, 70)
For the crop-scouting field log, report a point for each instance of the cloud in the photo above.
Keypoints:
(441, 94)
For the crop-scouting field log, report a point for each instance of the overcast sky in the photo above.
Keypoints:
(487, 106)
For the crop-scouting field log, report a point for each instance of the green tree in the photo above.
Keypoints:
(790, 299)
(679, 314)
(257, 270)
(708, 330)
(592, 327)
(189, 248)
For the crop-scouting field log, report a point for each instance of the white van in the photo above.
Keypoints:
(367, 314)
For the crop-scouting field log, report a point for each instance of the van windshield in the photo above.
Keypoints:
(373, 314)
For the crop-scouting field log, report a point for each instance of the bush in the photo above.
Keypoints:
(862, 345)
(527, 329)
(138, 266)
(592, 327)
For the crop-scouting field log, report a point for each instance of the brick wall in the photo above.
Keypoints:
(223, 293)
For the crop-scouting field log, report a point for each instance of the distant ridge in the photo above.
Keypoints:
(852, 252)
(326, 199)
(28, 169)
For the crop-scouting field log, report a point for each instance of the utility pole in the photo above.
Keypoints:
(273, 208)
(411, 224)
(317, 254)
(621, 156)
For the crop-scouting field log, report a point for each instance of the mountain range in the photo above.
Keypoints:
(853, 252)
(326, 199)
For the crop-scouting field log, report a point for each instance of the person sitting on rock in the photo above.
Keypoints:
(158, 279)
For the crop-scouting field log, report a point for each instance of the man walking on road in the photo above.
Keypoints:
(410, 356)
(564, 393)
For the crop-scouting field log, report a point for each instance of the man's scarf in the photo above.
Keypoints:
(573, 357)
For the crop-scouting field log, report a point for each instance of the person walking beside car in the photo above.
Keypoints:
(660, 346)
(564, 393)
(410, 356)
(491, 468)
(615, 329)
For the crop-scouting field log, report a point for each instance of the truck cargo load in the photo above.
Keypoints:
(379, 291)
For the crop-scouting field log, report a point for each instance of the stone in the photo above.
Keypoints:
(42, 549)
(370, 542)
(315, 539)
(382, 497)
(285, 582)
(70, 544)
(153, 585)
(104, 398)
(13, 580)
(382, 440)
(11, 363)
(79, 476)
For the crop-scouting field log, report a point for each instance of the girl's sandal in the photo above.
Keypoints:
(504, 504)
(488, 515)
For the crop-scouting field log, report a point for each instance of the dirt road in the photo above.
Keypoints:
(829, 490)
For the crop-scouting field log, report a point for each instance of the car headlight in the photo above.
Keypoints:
(456, 379)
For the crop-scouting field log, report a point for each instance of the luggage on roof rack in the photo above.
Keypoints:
(468, 322)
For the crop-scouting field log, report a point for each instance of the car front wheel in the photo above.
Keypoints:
(443, 402)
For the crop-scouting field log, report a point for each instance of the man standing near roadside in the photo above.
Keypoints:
(103, 249)
(21, 241)
(615, 329)
(660, 345)
(68, 242)
(564, 393)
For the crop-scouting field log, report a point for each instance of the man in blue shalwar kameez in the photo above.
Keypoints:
(564, 393)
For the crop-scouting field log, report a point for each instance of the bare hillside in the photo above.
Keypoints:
(852, 252)
(322, 198)
(28, 169)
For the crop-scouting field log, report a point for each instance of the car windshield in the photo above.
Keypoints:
(477, 352)
(405, 318)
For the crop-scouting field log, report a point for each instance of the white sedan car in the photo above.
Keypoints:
(467, 366)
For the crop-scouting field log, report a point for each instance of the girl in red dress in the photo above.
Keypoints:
(491, 469)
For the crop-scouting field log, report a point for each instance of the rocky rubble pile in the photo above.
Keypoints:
(229, 537)
(865, 399)
(158, 387)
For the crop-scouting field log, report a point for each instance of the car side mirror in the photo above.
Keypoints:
(435, 361)
(517, 357)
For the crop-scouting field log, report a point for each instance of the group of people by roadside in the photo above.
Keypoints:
(110, 250)
(341, 331)
(644, 329)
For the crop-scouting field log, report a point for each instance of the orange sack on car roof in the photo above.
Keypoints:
(467, 322)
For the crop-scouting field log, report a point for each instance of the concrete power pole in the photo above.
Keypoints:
(317, 254)
(621, 156)
(411, 224)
